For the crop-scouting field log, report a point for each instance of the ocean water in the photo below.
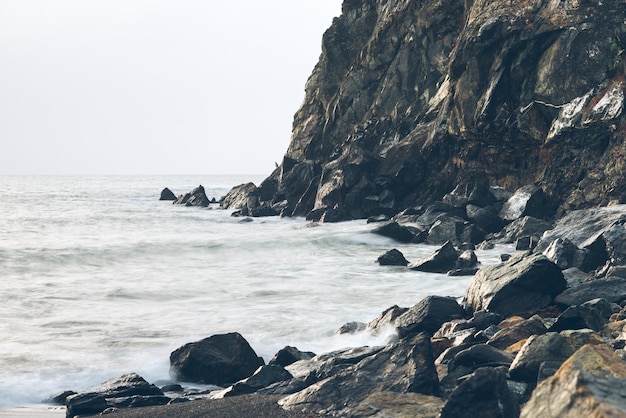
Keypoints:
(99, 278)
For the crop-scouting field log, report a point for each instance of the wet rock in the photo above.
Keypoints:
(428, 315)
(526, 201)
(221, 360)
(480, 355)
(524, 283)
(197, 197)
(590, 383)
(167, 194)
(351, 328)
(385, 320)
(289, 355)
(392, 257)
(518, 332)
(593, 314)
(565, 254)
(483, 394)
(445, 228)
(524, 227)
(406, 366)
(400, 233)
(441, 261)
(240, 196)
(485, 218)
(612, 289)
(129, 390)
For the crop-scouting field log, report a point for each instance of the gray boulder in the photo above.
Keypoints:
(167, 194)
(392, 257)
(262, 378)
(428, 315)
(221, 360)
(288, 355)
(526, 201)
(441, 261)
(524, 283)
(197, 197)
(612, 289)
(406, 366)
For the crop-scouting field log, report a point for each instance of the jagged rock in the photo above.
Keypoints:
(549, 347)
(167, 194)
(523, 283)
(197, 197)
(468, 259)
(262, 378)
(441, 261)
(385, 320)
(526, 201)
(565, 254)
(518, 332)
(483, 394)
(401, 233)
(129, 390)
(575, 277)
(589, 384)
(221, 359)
(612, 289)
(289, 355)
(351, 328)
(446, 228)
(593, 314)
(240, 196)
(428, 315)
(392, 257)
(485, 218)
(389, 404)
(439, 211)
(406, 366)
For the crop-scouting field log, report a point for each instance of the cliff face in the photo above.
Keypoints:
(412, 97)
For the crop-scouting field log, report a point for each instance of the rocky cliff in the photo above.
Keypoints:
(411, 98)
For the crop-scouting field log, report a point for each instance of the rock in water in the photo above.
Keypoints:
(167, 194)
(197, 197)
(441, 261)
(221, 360)
(392, 257)
(524, 283)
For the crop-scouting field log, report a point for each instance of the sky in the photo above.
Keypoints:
(153, 86)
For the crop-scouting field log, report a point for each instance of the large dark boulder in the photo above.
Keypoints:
(428, 315)
(399, 232)
(442, 260)
(406, 366)
(612, 289)
(484, 393)
(129, 390)
(392, 257)
(526, 282)
(221, 359)
(244, 195)
(167, 194)
(288, 355)
(197, 197)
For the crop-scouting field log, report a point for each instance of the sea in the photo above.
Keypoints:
(98, 277)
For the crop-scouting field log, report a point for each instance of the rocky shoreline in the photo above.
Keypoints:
(540, 334)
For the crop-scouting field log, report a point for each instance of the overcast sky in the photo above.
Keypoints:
(153, 86)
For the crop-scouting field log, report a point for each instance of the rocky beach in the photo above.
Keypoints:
(461, 125)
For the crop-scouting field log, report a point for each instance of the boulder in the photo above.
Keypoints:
(445, 228)
(239, 196)
(524, 227)
(484, 393)
(129, 390)
(518, 332)
(526, 201)
(550, 347)
(385, 320)
(404, 367)
(352, 327)
(167, 194)
(485, 218)
(390, 404)
(392, 257)
(441, 261)
(400, 233)
(593, 314)
(262, 378)
(591, 383)
(526, 282)
(288, 355)
(612, 289)
(428, 315)
(197, 197)
(565, 254)
(480, 355)
(220, 360)
(437, 211)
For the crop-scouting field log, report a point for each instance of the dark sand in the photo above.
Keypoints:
(244, 406)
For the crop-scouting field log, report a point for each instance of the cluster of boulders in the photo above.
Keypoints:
(197, 197)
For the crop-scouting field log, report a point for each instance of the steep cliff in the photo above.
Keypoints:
(412, 97)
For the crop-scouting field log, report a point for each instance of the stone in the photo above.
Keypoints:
(485, 218)
(526, 201)
(221, 359)
(385, 320)
(526, 243)
(262, 378)
(167, 194)
(197, 197)
(351, 328)
(612, 289)
(565, 254)
(445, 228)
(239, 196)
(523, 227)
(392, 257)
(390, 404)
(591, 383)
(480, 355)
(511, 335)
(468, 260)
(288, 355)
(403, 367)
(400, 233)
(129, 390)
(442, 260)
(485, 393)
(428, 315)
(524, 283)
(593, 314)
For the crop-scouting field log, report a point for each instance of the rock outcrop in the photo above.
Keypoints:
(411, 99)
